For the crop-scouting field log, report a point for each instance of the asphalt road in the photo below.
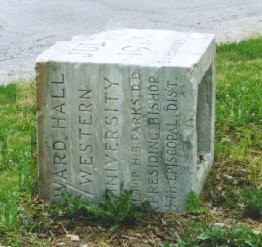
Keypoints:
(27, 27)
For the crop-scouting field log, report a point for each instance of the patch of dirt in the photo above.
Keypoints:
(220, 196)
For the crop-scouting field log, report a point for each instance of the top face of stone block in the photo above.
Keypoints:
(155, 48)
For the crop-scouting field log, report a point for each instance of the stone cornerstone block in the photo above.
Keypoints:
(131, 106)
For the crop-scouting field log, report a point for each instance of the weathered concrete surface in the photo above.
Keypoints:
(127, 106)
(28, 27)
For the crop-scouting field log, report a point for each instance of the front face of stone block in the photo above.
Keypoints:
(117, 108)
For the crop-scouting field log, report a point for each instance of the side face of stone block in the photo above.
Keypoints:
(130, 106)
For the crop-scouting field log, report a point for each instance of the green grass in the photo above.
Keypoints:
(239, 101)
(194, 204)
(252, 200)
(233, 186)
(243, 51)
(216, 236)
(112, 210)
(18, 167)
(238, 145)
